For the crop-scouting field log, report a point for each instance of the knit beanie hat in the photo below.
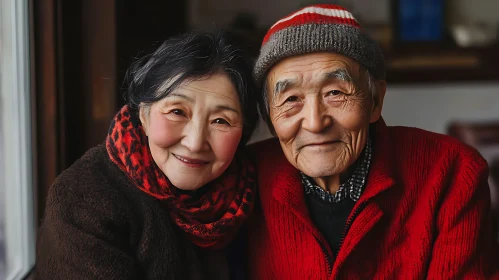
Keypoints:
(319, 28)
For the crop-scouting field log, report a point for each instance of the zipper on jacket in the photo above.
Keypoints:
(348, 225)
(329, 258)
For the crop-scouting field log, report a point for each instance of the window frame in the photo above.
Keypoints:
(16, 131)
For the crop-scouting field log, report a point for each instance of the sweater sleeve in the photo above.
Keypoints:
(83, 235)
(464, 247)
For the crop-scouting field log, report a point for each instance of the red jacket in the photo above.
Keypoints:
(424, 214)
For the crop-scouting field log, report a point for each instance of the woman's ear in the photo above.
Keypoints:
(378, 101)
(144, 117)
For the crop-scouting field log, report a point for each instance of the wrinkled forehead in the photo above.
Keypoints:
(312, 69)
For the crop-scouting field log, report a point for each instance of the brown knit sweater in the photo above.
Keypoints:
(98, 225)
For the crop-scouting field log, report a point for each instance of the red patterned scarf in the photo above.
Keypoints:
(210, 221)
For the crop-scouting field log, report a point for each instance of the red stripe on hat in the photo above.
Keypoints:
(320, 14)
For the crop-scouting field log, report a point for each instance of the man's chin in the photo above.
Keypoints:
(319, 170)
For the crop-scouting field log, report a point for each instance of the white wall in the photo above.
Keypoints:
(432, 107)
(468, 11)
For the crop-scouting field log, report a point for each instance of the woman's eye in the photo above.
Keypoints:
(292, 99)
(220, 121)
(178, 112)
(334, 92)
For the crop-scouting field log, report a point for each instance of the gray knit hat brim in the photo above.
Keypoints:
(343, 39)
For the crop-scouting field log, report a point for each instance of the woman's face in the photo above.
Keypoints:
(194, 132)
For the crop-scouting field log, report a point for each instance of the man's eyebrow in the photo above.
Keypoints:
(339, 74)
(283, 85)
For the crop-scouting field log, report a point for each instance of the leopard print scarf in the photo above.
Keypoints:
(209, 221)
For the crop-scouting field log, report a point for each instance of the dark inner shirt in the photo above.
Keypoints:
(330, 218)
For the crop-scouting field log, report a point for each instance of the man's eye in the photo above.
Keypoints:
(291, 99)
(334, 92)
(220, 121)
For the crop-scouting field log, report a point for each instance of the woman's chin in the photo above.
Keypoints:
(187, 185)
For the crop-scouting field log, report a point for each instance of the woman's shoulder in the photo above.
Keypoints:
(95, 158)
(92, 177)
(90, 222)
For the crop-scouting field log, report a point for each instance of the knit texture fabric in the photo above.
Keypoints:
(319, 28)
(424, 214)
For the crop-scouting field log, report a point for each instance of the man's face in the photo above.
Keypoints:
(321, 106)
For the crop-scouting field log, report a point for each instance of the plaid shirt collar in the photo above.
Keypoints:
(353, 187)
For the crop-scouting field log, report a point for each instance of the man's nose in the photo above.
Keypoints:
(315, 117)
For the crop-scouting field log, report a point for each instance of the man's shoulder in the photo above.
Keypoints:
(410, 140)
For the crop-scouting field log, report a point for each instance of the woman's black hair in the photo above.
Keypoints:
(190, 56)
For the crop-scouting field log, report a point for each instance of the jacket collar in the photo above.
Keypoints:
(381, 175)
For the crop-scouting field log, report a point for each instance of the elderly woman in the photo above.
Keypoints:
(165, 196)
(343, 195)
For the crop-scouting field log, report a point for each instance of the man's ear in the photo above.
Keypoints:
(144, 117)
(378, 101)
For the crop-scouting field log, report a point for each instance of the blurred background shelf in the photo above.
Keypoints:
(434, 63)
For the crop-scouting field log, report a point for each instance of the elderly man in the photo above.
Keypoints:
(342, 194)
